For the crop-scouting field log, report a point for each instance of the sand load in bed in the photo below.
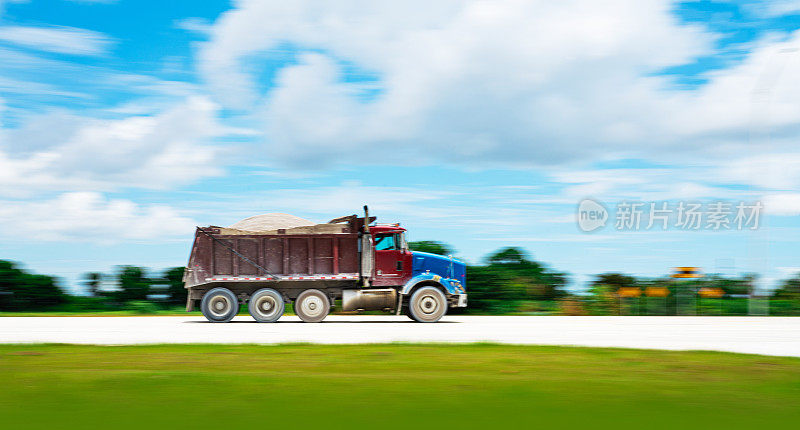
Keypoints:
(269, 222)
(281, 223)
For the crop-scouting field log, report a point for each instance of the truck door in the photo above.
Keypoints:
(392, 262)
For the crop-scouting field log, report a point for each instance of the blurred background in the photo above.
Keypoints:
(583, 157)
(506, 282)
(477, 125)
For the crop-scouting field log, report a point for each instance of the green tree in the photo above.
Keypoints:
(740, 285)
(492, 291)
(176, 292)
(615, 281)
(540, 283)
(431, 246)
(509, 278)
(133, 283)
(92, 281)
(603, 299)
(789, 289)
(786, 299)
(21, 291)
(508, 255)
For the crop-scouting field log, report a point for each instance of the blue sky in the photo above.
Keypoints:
(481, 124)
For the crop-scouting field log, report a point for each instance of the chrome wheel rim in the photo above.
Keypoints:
(428, 305)
(266, 306)
(219, 306)
(312, 306)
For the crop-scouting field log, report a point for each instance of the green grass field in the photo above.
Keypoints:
(394, 386)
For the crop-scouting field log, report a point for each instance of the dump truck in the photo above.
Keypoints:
(351, 262)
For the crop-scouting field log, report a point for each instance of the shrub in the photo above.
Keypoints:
(142, 307)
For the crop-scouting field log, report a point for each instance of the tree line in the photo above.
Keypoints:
(507, 281)
(129, 287)
(510, 281)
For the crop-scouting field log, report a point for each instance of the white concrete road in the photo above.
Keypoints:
(757, 335)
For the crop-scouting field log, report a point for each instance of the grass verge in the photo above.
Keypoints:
(396, 385)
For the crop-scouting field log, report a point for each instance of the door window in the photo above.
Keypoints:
(385, 242)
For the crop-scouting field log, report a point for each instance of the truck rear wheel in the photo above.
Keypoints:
(427, 304)
(266, 305)
(219, 305)
(312, 306)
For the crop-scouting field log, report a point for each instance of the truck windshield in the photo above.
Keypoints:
(385, 242)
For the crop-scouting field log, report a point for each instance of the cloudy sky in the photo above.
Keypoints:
(123, 124)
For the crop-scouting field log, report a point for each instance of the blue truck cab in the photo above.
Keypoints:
(439, 270)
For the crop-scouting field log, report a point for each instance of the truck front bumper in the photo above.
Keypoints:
(458, 301)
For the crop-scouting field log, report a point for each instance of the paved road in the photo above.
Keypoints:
(759, 335)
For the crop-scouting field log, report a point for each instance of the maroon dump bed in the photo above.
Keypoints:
(216, 255)
(314, 252)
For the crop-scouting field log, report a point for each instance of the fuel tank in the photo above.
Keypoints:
(369, 300)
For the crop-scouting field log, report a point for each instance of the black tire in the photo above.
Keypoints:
(427, 304)
(407, 311)
(266, 305)
(219, 305)
(312, 306)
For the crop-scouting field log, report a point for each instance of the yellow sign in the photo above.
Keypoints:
(711, 293)
(657, 291)
(629, 292)
(687, 272)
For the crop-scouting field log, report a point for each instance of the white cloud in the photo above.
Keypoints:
(782, 204)
(496, 82)
(644, 184)
(788, 271)
(326, 202)
(509, 83)
(194, 25)
(60, 151)
(62, 40)
(480, 209)
(768, 171)
(746, 108)
(90, 217)
(769, 179)
(14, 86)
(772, 8)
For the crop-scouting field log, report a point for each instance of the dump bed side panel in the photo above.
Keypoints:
(282, 255)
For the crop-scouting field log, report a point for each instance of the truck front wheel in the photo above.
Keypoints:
(312, 306)
(266, 305)
(427, 304)
(219, 305)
